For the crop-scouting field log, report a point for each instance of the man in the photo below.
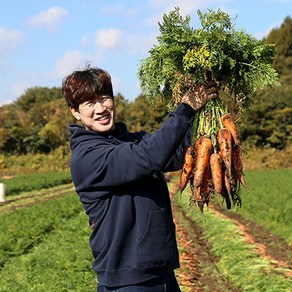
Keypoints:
(119, 178)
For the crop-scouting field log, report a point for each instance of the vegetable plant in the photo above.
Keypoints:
(185, 58)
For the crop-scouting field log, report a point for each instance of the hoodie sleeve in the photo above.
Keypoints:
(110, 164)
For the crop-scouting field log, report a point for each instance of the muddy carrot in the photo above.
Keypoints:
(198, 194)
(216, 172)
(226, 196)
(230, 182)
(187, 168)
(206, 183)
(237, 164)
(204, 150)
(229, 124)
(206, 188)
(224, 139)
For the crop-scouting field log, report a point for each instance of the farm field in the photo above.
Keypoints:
(239, 250)
(44, 238)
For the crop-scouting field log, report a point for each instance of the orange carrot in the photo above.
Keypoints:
(224, 139)
(206, 183)
(237, 164)
(204, 150)
(206, 188)
(198, 195)
(228, 123)
(217, 172)
(187, 168)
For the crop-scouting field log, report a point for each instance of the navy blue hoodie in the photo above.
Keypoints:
(119, 178)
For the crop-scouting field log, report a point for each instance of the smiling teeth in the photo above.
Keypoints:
(103, 118)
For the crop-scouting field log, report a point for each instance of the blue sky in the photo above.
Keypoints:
(43, 41)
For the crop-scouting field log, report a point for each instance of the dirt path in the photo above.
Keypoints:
(194, 251)
(268, 245)
(32, 198)
(191, 242)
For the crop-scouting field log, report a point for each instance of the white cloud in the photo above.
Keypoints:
(50, 18)
(140, 44)
(84, 40)
(261, 34)
(108, 39)
(71, 60)
(19, 87)
(164, 7)
(9, 40)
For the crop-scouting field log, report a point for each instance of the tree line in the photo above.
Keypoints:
(37, 121)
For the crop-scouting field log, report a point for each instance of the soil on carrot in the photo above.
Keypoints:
(192, 275)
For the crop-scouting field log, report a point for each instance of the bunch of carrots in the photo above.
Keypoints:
(213, 164)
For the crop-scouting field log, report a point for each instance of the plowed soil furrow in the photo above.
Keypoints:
(268, 245)
(33, 198)
(195, 252)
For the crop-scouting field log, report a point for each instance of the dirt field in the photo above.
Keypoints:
(190, 238)
(192, 243)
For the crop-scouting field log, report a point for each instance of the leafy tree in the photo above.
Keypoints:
(37, 121)
(269, 123)
(142, 116)
(37, 95)
(282, 37)
(121, 106)
(29, 120)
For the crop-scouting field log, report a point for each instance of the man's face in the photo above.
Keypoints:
(98, 114)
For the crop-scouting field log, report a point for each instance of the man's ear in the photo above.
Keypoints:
(75, 113)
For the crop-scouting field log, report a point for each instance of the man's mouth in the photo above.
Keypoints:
(104, 119)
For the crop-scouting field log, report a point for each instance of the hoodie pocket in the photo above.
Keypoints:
(157, 242)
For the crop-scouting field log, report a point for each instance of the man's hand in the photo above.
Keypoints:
(201, 95)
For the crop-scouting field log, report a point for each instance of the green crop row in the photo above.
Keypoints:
(24, 228)
(268, 201)
(238, 260)
(34, 181)
(45, 247)
(60, 262)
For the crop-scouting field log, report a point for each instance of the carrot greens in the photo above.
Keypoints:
(185, 57)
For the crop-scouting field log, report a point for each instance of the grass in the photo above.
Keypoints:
(48, 249)
(268, 201)
(34, 181)
(24, 228)
(45, 247)
(62, 262)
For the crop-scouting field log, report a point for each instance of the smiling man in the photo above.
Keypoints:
(97, 114)
(119, 178)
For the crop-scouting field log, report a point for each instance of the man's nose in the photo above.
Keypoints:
(99, 107)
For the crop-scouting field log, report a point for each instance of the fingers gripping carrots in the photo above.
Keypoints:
(217, 168)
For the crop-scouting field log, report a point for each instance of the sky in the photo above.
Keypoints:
(41, 42)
